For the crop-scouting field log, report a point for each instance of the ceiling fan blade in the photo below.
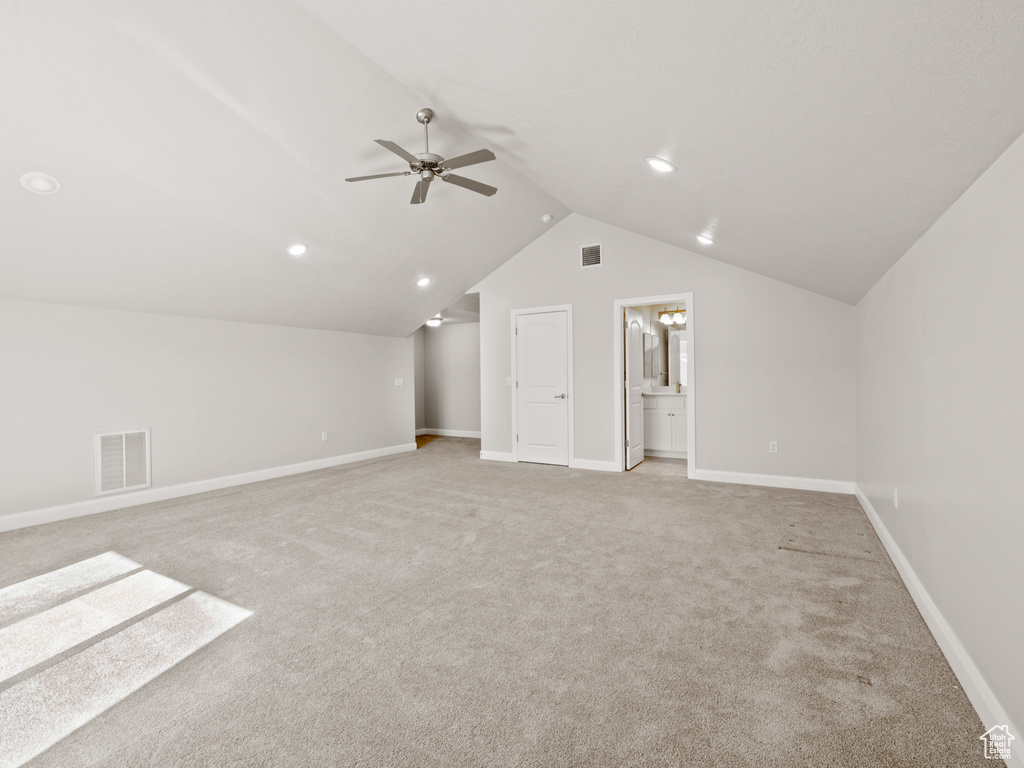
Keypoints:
(480, 156)
(419, 192)
(378, 176)
(409, 158)
(475, 186)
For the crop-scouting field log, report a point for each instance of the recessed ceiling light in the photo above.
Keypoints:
(423, 282)
(434, 321)
(705, 239)
(546, 218)
(40, 183)
(297, 249)
(660, 164)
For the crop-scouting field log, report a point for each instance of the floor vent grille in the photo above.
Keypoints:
(122, 461)
(590, 255)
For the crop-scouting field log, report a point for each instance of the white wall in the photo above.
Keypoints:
(773, 362)
(451, 367)
(941, 418)
(221, 398)
(419, 377)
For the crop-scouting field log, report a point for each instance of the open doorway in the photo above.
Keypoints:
(446, 356)
(655, 381)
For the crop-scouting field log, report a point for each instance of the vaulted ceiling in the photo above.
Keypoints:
(195, 141)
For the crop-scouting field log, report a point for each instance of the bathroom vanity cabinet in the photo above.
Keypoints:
(665, 425)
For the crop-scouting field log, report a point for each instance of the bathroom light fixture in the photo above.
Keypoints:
(434, 321)
(705, 239)
(40, 183)
(675, 316)
(297, 249)
(423, 282)
(660, 164)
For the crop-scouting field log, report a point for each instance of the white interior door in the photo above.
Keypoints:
(542, 394)
(633, 345)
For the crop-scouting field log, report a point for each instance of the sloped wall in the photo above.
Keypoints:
(940, 418)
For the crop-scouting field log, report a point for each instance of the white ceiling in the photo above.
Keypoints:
(196, 140)
(465, 310)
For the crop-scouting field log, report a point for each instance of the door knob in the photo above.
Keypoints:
(559, 396)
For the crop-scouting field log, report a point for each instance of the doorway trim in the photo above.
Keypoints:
(620, 376)
(567, 308)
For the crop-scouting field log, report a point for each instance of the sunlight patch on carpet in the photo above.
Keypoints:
(25, 597)
(159, 630)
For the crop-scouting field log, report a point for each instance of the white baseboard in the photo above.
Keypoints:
(423, 431)
(971, 680)
(666, 454)
(777, 481)
(599, 466)
(450, 433)
(108, 503)
(496, 456)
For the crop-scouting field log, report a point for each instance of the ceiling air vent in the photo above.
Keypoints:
(122, 461)
(591, 255)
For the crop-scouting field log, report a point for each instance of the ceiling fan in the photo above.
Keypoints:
(429, 166)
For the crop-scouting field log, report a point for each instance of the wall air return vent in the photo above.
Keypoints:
(590, 255)
(122, 461)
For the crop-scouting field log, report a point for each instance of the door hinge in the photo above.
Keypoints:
(627, 442)
(517, 438)
(625, 325)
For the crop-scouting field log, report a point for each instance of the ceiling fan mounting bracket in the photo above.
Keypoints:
(425, 115)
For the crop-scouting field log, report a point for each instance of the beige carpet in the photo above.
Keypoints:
(432, 609)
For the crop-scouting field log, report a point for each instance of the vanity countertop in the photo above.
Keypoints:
(672, 393)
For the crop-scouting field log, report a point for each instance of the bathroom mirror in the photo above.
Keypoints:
(677, 358)
(653, 352)
(673, 359)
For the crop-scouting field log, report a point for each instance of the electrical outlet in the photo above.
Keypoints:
(895, 498)
(773, 447)
(323, 437)
(399, 382)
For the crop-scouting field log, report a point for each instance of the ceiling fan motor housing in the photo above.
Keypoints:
(429, 164)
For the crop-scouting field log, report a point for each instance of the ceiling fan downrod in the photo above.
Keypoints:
(424, 116)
